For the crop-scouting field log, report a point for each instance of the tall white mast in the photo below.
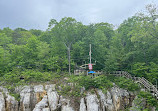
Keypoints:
(90, 54)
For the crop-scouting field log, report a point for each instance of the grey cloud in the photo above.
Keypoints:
(37, 13)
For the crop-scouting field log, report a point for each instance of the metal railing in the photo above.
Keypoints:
(145, 83)
(141, 80)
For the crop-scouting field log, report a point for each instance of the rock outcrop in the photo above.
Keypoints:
(11, 103)
(120, 98)
(53, 97)
(82, 105)
(25, 99)
(2, 102)
(42, 105)
(46, 98)
(92, 102)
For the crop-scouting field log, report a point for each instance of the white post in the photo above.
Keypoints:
(69, 60)
(90, 54)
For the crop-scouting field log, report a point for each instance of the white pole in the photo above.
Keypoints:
(90, 54)
(69, 60)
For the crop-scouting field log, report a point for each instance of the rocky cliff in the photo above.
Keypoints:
(46, 98)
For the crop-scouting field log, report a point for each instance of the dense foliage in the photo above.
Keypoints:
(149, 99)
(132, 47)
(33, 56)
(100, 82)
(124, 83)
(144, 102)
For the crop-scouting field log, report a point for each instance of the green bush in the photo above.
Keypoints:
(100, 82)
(151, 101)
(30, 76)
(16, 95)
(69, 91)
(124, 83)
(103, 82)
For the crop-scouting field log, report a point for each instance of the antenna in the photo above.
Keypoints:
(90, 60)
(90, 52)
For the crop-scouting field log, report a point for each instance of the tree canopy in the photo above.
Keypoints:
(132, 47)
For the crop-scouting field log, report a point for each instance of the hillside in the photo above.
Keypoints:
(35, 58)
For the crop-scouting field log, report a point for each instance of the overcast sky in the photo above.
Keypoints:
(35, 14)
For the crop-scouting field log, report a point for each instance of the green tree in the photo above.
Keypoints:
(66, 31)
(4, 60)
(4, 40)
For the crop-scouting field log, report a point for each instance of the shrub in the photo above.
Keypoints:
(100, 82)
(124, 83)
(151, 101)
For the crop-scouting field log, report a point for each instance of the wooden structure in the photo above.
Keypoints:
(141, 80)
(80, 72)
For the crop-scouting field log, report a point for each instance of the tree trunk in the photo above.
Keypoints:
(69, 56)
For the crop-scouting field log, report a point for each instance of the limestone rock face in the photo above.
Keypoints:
(46, 98)
(66, 108)
(82, 105)
(25, 99)
(42, 105)
(8, 102)
(39, 93)
(92, 102)
(120, 98)
(109, 102)
(2, 102)
(105, 101)
(65, 104)
(53, 99)
(50, 87)
(11, 103)
(116, 98)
